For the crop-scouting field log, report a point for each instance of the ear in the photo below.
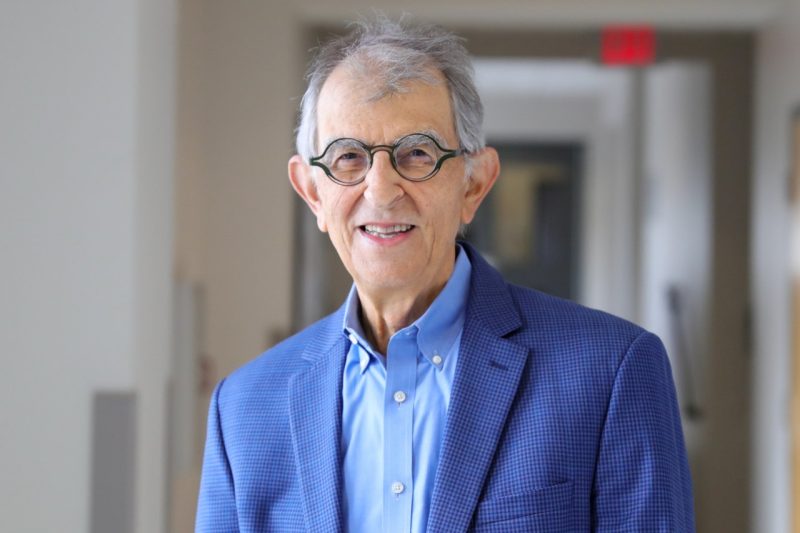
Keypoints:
(485, 169)
(302, 179)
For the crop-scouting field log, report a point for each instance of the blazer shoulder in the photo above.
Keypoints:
(274, 366)
(568, 324)
(533, 303)
(554, 327)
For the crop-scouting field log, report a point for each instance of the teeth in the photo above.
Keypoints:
(383, 231)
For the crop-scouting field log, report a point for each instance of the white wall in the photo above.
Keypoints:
(778, 94)
(677, 249)
(85, 237)
(573, 101)
(155, 111)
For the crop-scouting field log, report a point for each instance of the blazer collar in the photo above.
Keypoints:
(315, 421)
(490, 302)
(486, 381)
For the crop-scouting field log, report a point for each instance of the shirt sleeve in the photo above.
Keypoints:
(642, 480)
(216, 507)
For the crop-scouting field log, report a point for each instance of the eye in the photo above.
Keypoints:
(418, 153)
(347, 157)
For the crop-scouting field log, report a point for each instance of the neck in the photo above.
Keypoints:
(382, 318)
(383, 315)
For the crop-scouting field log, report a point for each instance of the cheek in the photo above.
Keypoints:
(453, 206)
(337, 211)
(443, 216)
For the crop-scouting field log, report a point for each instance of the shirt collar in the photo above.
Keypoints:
(354, 332)
(437, 329)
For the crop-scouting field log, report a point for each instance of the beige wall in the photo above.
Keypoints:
(234, 210)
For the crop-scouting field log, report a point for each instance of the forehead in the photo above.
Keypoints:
(347, 107)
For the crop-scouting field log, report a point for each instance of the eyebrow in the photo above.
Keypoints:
(429, 132)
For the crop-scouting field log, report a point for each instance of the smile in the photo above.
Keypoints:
(386, 232)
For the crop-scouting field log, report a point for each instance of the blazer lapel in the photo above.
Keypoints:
(315, 407)
(486, 381)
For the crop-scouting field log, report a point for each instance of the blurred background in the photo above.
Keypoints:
(150, 242)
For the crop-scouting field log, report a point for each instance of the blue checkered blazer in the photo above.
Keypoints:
(562, 419)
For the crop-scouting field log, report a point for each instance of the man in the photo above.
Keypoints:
(438, 398)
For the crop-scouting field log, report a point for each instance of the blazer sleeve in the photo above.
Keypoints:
(216, 507)
(642, 480)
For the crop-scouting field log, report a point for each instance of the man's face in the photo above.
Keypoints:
(391, 234)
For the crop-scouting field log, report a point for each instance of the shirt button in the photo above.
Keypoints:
(399, 397)
(437, 359)
(398, 488)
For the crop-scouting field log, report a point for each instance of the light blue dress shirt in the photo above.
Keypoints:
(394, 410)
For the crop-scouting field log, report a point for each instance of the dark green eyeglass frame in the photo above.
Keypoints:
(390, 149)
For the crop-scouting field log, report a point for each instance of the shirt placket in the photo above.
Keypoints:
(401, 382)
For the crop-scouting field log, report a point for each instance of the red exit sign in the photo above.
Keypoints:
(628, 45)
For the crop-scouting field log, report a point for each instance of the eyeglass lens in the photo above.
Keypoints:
(415, 157)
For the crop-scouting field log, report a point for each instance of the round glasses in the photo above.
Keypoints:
(416, 157)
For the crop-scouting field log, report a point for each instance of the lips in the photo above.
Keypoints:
(386, 231)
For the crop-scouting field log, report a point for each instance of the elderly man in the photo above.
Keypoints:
(438, 397)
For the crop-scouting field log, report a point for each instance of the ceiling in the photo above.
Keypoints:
(683, 14)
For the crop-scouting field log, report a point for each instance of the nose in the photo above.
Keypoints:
(383, 183)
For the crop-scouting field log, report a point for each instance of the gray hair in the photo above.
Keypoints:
(397, 52)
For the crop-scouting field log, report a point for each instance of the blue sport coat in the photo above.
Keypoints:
(562, 419)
